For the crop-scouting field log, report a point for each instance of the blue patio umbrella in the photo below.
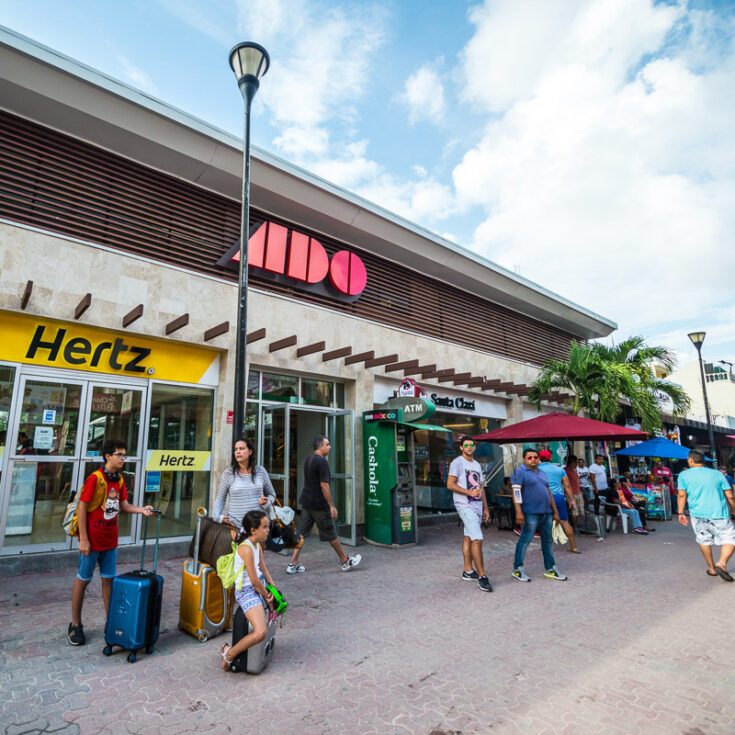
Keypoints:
(657, 447)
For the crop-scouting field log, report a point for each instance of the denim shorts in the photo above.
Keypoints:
(471, 522)
(107, 561)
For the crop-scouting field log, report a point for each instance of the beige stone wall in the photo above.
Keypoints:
(64, 270)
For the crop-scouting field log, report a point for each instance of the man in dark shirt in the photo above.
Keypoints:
(317, 507)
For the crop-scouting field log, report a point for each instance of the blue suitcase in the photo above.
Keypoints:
(134, 616)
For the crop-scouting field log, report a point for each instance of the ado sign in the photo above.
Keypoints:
(296, 259)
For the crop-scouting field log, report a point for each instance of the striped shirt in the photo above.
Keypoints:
(243, 493)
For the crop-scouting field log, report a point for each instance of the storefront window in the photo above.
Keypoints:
(317, 392)
(180, 422)
(280, 388)
(253, 384)
(49, 418)
(115, 414)
(435, 450)
(7, 380)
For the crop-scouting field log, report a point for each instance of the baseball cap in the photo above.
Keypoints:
(544, 455)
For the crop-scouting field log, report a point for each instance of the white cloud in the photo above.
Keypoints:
(136, 76)
(607, 167)
(423, 92)
(320, 65)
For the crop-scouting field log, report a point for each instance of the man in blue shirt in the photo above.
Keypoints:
(711, 501)
(562, 492)
(535, 509)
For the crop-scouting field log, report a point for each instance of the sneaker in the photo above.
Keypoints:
(352, 561)
(517, 530)
(554, 573)
(469, 576)
(295, 569)
(75, 634)
(520, 575)
(641, 530)
(484, 584)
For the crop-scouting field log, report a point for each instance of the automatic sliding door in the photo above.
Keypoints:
(275, 438)
(341, 434)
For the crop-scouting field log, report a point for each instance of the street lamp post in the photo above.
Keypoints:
(250, 62)
(697, 339)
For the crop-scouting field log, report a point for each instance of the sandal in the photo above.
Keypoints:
(574, 551)
(225, 661)
(712, 574)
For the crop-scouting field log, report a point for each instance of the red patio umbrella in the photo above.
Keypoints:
(560, 426)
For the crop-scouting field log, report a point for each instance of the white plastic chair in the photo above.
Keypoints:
(611, 520)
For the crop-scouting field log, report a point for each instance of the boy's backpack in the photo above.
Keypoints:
(71, 520)
(226, 570)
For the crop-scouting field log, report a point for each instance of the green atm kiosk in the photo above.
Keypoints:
(390, 487)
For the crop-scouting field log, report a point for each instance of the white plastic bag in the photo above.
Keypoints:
(557, 534)
(285, 514)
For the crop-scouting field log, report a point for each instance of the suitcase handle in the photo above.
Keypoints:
(201, 512)
(145, 538)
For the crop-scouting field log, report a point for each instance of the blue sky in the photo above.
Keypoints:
(587, 144)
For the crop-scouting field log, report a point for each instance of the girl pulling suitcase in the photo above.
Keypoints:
(250, 590)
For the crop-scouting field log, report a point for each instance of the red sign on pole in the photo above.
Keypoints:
(230, 417)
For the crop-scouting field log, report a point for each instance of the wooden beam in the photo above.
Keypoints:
(177, 323)
(401, 365)
(216, 331)
(311, 349)
(132, 315)
(502, 387)
(458, 376)
(438, 373)
(378, 361)
(334, 354)
(418, 370)
(361, 357)
(256, 336)
(26, 295)
(470, 381)
(281, 344)
(83, 305)
(488, 384)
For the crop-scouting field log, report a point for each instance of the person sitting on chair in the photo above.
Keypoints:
(615, 496)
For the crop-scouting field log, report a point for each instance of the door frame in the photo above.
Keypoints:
(326, 412)
(87, 380)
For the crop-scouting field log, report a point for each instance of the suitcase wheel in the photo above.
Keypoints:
(107, 650)
(149, 649)
(132, 658)
(203, 637)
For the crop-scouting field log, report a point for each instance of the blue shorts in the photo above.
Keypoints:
(561, 506)
(107, 561)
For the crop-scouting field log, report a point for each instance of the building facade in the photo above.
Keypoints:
(119, 227)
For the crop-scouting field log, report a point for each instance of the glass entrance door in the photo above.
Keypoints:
(55, 440)
(287, 436)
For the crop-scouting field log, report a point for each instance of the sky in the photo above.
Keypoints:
(588, 145)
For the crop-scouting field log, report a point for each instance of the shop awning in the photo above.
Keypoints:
(560, 426)
(427, 427)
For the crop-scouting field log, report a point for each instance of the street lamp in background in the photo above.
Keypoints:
(697, 339)
(250, 62)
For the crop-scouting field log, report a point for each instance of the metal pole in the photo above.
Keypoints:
(710, 431)
(238, 411)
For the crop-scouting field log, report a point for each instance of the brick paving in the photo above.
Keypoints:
(639, 640)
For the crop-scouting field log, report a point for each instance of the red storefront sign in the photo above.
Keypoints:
(281, 252)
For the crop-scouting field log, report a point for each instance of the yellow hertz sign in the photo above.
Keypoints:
(177, 460)
(41, 341)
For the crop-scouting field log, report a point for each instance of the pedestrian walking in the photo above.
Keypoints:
(577, 510)
(103, 496)
(317, 507)
(465, 482)
(562, 492)
(535, 509)
(711, 502)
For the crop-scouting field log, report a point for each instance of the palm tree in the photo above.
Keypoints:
(600, 376)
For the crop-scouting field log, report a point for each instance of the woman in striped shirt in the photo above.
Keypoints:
(246, 483)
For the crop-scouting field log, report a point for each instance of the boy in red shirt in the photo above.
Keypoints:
(104, 495)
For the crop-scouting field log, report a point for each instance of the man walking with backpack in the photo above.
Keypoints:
(103, 496)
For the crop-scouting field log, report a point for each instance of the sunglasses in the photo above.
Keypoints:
(467, 446)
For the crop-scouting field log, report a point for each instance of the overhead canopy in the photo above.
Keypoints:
(657, 447)
(727, 440)
(427, 427)
(560, 426)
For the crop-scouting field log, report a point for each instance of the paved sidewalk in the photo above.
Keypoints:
(639, 640)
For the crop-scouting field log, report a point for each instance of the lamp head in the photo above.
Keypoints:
(249, 62)
(697, 339)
